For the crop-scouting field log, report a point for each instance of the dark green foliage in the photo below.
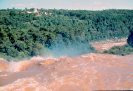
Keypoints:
(23, 34)
(12, 13)
(120, 50)
(130, 38)
(12, 52)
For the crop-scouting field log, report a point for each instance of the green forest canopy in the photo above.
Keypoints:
(25, 34)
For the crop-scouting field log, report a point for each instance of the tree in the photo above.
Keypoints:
(12, 52)
(12, 13)
(130, 39)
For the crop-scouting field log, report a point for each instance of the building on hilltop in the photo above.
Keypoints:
(35, 11)
(39, 13)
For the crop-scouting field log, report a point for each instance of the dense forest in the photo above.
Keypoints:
(123, 50)
(24, 34)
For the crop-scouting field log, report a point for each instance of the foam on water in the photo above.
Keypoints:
(85, 72)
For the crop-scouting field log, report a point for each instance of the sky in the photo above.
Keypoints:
(67, 4)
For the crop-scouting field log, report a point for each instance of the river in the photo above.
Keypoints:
(81, 73)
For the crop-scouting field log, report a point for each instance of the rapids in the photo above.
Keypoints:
(81, 73)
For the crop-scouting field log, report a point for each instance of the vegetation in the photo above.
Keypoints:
(130, 38)
(120, 50)
(123, 50)
(25, 34)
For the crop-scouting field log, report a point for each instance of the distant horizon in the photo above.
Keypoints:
(68, 4)
(66, 9)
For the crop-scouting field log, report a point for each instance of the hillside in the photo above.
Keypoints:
(25, 34)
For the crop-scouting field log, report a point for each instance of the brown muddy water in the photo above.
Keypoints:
(81, 73)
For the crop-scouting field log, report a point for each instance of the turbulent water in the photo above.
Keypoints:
(81, 73)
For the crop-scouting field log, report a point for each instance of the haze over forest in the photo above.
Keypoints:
(32, 32)
(31, 28)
